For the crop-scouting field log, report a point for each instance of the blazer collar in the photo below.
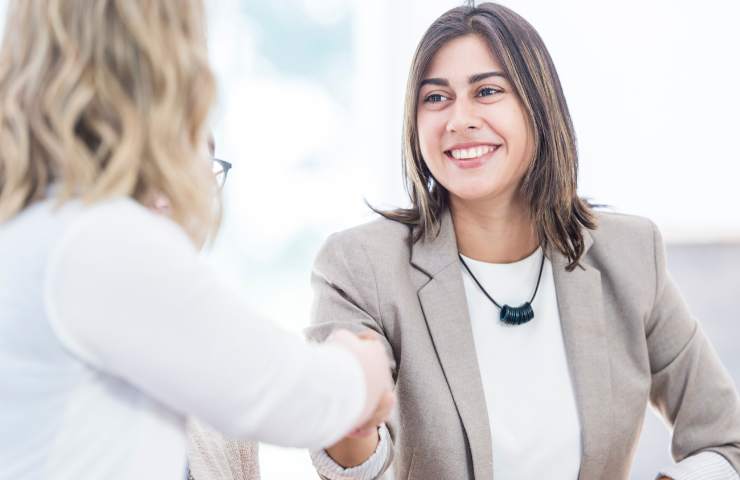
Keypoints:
(442, 297)
(433, 255)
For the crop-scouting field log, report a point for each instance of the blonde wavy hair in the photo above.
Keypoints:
(107, 98)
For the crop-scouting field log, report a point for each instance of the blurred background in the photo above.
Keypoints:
(309, 113)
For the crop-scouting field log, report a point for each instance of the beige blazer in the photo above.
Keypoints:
(630, 339)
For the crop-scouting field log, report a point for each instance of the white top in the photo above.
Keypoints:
(112, 329)
(530, 398)
(528, 390)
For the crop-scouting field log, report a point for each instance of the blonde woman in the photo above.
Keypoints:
(111, 329)
(528, 332)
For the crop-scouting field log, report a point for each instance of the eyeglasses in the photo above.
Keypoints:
(221, 171)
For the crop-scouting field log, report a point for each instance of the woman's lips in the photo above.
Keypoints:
(472, 157)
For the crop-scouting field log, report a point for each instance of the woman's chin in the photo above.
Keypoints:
(475, 193)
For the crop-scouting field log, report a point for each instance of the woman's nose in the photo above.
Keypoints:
(463, 117)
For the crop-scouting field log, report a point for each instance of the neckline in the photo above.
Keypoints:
(533, 258)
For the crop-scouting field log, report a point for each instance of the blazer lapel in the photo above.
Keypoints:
(442, 297)
(580, 304)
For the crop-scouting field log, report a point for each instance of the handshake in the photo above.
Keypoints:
(380, 399)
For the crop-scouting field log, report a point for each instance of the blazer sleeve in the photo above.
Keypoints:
(690, 387)
(345, 296)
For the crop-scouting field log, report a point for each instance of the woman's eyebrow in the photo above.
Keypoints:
(482, 76)
(443, 82)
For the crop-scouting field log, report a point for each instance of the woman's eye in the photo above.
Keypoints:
(435, 98)
(487, 92)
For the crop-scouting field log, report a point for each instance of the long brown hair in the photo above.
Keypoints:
(105, 98)
(549, 185)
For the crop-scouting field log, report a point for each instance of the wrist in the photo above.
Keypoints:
(353, 451)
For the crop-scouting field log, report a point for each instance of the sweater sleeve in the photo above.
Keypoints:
(702, 466)
(127, 292)
(370, 469)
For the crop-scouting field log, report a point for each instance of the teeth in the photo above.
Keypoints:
(468, 153)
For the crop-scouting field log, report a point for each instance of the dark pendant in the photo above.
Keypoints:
(517, 315)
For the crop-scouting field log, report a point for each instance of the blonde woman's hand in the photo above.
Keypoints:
(381, 415)
(385, 406)
(358, 445)
(373, 359)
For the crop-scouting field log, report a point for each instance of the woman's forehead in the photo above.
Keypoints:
(461, 58)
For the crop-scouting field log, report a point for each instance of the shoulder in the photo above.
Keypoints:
(125, 222)
(376, 249)
(619, 233)
(377, 239)
(110, 252)
(125, 212)
(118, 233)
(628, 250)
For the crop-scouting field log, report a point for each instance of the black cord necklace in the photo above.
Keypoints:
(511, 315)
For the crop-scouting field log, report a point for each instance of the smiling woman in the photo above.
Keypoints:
(516, 109)
(495, 221)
